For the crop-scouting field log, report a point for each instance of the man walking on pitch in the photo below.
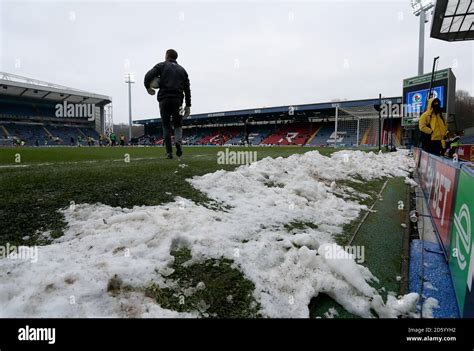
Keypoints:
(173, 83)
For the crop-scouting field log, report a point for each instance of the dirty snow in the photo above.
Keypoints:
(411, 182)
(428, 285)
(428, 306)
(71, 275)
(331, 313)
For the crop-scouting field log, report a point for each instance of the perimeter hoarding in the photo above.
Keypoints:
(449, 189)
(442, 198)
(416, 156)
(439, 183)
(462, 247)
(426, 170)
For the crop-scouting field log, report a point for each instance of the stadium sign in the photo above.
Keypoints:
(462, 248)
(416, 91)
(466, 152)
(219, 114)
(67, 110)
(426, 78)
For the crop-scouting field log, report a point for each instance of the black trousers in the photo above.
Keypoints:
(169, 111)
(436, 147)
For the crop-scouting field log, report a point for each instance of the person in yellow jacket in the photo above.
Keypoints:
(434, 127)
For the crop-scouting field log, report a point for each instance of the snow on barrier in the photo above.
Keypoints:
(449, 189)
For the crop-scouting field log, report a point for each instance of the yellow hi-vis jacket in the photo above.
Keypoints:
(434, 124)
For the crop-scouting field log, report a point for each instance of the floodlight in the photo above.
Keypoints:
(419, 9)
(421, 5)
(129, 78)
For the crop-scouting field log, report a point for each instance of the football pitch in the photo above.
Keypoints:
(37, 182)
(39, 185)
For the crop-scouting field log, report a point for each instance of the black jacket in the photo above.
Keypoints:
(174, 81)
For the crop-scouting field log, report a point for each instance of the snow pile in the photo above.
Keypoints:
(428, 306)
(411, 182)
(71, 275)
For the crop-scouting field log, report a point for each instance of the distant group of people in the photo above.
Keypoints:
(51, 140)
(78, 141)
(112, 140)
(435, 136)
(104, 140)
(18, 142)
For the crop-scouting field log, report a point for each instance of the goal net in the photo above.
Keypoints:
(362, 127)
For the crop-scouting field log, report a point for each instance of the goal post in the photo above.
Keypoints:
(357, 127)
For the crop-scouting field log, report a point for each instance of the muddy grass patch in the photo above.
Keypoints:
(212, 288)
(299, 226)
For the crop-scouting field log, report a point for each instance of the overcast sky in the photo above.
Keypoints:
(240, 54)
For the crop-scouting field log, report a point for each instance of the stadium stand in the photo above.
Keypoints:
(323, 134)
(28, 113)
(298, 134)
(258, 133)
(310, 134)
(236, 139)
(29, 133)
(290, 134)
(310, 124)
(468, 139)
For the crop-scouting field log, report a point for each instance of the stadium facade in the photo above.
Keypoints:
(34, 112)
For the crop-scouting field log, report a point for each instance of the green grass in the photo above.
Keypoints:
(298, 226)
(30, 155)
(371, 188)
(381, 236)
(48, 179)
